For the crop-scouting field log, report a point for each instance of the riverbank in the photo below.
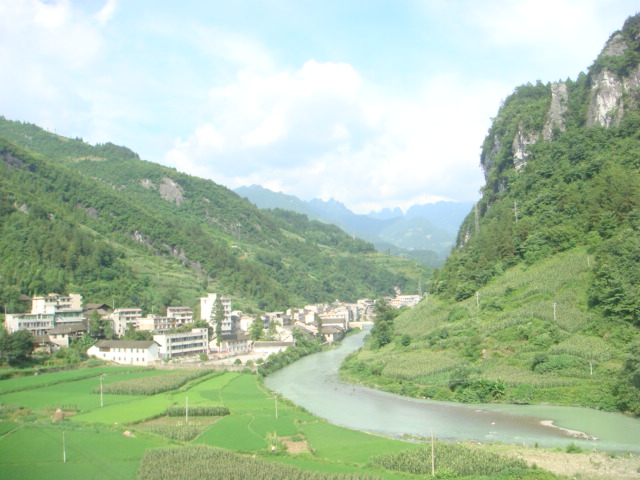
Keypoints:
(587, 465)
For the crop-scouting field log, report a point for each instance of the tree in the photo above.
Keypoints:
(218, 317)
(95, 327)
(382, 331)
(15, 347)
(133, 334)
(256, 330)
(628, 388)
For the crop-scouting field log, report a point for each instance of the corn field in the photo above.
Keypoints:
(152, 385)
(455, 459)
(198, 411)
(204, 463)
(179, 433)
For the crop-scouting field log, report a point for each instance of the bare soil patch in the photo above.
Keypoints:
(296, 447)
(180, 421)
(585, 466)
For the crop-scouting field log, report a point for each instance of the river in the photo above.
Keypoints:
(312, 382)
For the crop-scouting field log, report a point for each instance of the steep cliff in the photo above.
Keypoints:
(538, 112)
(555, 158)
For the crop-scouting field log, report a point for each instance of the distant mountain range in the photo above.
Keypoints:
(425, 233)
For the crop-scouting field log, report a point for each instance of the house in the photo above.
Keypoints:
(404, 301)
(232, 344)
(331, 333)
(53, 303)
(126, 352)
(269, 348)
(181, 315)
(155, 323)
(125, 318)
(180, 344)
(101, 308)
(61, 335)
(46, 312)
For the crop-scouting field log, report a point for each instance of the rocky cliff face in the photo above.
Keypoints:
(610, 91)
(613, 84)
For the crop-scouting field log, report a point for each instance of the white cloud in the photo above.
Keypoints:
(320, 132)
(107, 12)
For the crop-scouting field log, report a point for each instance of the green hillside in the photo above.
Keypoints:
(99, 221)
(540, 301)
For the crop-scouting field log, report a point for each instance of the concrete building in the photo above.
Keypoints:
(180, 344)
(155, 323)
(207, 304)
(181, 315)
(46, 313)
(126, 352)
(125, 318)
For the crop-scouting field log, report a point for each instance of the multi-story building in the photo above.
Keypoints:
(183, 343)
(46, 313)
(155, 323)
(125, 318)
(207, 305)
(404, 301)
(54, 303)
(181, 315)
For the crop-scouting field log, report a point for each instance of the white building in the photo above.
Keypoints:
(183, 343)
(54, 303)
(155, 323)
(123, 318)
(232, 344)
(207, 304)
(271, 347)
(46, 313)
(126, 352)
(404, 301)
(182, 315)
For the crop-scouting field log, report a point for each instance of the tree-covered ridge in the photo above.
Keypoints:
(539, 302)
(99, 221)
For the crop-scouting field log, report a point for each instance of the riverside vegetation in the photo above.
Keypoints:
(539, 302)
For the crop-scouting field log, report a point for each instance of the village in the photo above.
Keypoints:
(220, 334)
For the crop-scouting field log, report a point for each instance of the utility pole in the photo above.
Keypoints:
(101, 398)
(433, 458)
(64, 449)
(515, 208)
(555, 318)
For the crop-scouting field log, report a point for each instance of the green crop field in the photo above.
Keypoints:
(109, 442)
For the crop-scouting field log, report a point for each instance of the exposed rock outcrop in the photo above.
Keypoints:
(171, 191)
(557, 110)
(520, 145)
(610, 93)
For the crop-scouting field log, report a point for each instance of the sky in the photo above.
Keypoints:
(374, 103)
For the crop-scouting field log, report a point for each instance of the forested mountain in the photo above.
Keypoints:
(540, 300)
(426, 233)
(99, 221)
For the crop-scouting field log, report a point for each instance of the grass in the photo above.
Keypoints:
(37, 452)
(96, 447)
(529, 313)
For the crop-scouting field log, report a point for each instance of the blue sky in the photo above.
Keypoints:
(374, 103)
